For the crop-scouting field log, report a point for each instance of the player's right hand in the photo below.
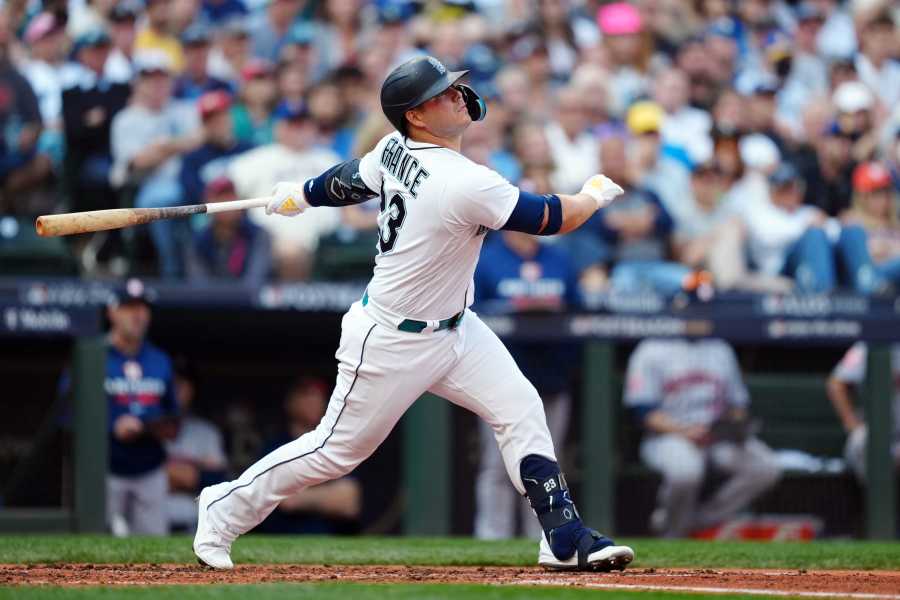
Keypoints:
(602, 189)
(127, 427)
(288, 199)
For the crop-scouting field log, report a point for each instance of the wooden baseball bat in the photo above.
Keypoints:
(115, 218)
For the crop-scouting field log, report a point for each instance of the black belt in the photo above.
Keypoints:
(413, 326)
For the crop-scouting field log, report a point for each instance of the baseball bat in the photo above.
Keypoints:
(116, 218)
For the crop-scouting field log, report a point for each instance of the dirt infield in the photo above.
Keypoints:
(882, 584)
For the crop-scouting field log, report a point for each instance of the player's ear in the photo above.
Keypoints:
(414, 117)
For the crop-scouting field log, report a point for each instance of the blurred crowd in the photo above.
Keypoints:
(758, 141)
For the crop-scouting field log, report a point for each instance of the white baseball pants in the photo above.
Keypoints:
(381, 372)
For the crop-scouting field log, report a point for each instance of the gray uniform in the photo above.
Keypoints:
(852, 370)
(694, 383)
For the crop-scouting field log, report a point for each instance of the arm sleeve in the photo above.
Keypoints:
(642, 382)
(341, 185)
(481, 197)
(852, 368)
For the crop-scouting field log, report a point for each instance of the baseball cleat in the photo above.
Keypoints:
(210, 547)
(603, 556)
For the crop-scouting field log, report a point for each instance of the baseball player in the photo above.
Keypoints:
(412, 331)
(685, 394)
(848, 375)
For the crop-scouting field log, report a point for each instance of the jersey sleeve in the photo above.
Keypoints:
(852, 368)
(481, 197)
(737, 391)
(370, 165)
(642, 381)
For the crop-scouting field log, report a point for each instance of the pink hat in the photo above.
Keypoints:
(40, 27)
(619, 18)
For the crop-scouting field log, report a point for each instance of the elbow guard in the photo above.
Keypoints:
(341, 185)
(528, 215)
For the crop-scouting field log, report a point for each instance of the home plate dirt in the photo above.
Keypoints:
(857, 584)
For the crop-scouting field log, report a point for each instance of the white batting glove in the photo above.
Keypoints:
(602, 189)
(288, 199)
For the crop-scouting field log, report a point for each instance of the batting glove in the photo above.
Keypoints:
(287, 199)
(602, 189)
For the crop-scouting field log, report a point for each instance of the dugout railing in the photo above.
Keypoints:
(66, 308)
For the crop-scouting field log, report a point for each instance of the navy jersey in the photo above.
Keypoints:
(547, 281)
(142, 386)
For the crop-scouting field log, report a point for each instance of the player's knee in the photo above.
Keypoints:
(685, 477)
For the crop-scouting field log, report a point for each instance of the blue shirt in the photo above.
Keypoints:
(141, 386)
(548, 281)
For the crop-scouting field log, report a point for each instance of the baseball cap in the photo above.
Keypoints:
(290, 112)
(235, 27)
(211, 103)
(131, 292)
(40, 27)
(94, 36)
(219, 186)
(644, 117)
(870, 176)
(394, 14)
(126, 10)
(256, 68)
(152, 61)
(758, 151)
(301, 34)
(807, 11)
(784, 174)
(619, 18)
(197, 34)
(852, 96)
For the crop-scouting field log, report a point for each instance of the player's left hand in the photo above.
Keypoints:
(288, 199)
(602, 189)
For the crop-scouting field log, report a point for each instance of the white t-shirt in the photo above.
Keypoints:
(436, 206)
(770, 232)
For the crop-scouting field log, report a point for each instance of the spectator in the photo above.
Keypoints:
(148, 140)
(808, 78)
(269, 29)
(330, 112)
(327, 508)
(785, 238)
(827, 176)
(837, 38)
(230, 247)
(219, 148)
(123, 31)
(232, 52)
(20, 119)
(517, 273)
(155, 34)
(855, 106)
(629, 48)
(876, 61)
(870, 240)
(682, 124)
(572, 146)
(292, 157)
(196, 80)
(637, 228)
(661, 169)
(690, 400)
(88, 110)
(46, 39)
(216, 12)
(590, 82)
(337, 34)
(848, 376)
(195, 457)
(565, 32)
(141, 395)
(252, 115)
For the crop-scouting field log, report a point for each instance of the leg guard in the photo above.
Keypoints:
(548, 494)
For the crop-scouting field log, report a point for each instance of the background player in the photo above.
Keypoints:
(692, 403)
(412, 331)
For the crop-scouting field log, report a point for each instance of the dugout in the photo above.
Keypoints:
(251, 343)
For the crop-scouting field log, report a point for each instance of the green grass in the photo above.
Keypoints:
(445, 551)
(339, 591)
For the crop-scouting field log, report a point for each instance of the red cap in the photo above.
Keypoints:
(256, 68)
(219, 186)
(871, 176)
(211, 103)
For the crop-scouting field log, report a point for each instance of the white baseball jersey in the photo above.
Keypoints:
(692, 382)
(852, 369)
(436, 207)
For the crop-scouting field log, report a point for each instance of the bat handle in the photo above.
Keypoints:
(216, 207)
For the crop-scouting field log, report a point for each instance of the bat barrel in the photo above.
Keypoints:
(114, 218)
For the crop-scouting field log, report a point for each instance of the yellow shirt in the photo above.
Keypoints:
(148, 39)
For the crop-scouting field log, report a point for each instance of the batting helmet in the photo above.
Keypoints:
(420, 79)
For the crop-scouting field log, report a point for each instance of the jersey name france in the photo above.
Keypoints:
(436, 206)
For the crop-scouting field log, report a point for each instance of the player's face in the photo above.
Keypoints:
(445, 115)
(130, 320)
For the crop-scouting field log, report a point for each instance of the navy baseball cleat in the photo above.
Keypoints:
(594, 552)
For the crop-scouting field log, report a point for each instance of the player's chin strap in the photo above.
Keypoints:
(548, 494)
(474, 104)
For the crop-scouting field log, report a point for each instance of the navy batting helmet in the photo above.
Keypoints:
(420, 79)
